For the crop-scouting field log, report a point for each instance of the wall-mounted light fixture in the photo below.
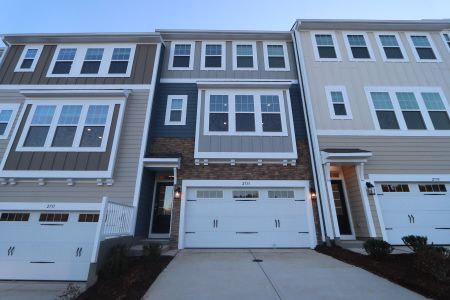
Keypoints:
(370, 189)
(177, 194)
(312, 192)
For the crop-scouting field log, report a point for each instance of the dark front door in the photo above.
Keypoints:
(341, 207)
(162, 208)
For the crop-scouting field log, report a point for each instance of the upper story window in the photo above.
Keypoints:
(181, 56)
(446, 38)
(338, 104)
(423, 47)
(410, 110)
(176, 110)
(325, 46)
(68, 126)
(391, 47)
(244, 56)
(358, 47)
(437, 111)
(276, 56)
(8, 113)
(29, 58)
(213, 56)
(384, 110)
(245, 113)
(102, 60)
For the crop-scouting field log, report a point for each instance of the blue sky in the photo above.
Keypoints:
(31, 16)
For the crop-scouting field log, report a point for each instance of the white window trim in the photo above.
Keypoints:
(316, 49)
(414, 50)
(223, 56)
(446, 45)
(77, 139)
(400, 44)
(75, 70)
(183, 110)
(349, 50)
(343, 90)
(266, 56)
(398, 111)
(172, 54)
(254, 51)
(15, 108)
(22, 57)
(258, 114)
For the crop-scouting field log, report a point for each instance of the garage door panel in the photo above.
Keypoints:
(55, 271)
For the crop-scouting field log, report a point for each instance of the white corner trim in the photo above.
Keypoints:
(414, 50)
(345, 35)
(169, 109)
(254, 55)
(222, 57)
(365, 199)
(400, 45)
(172, 54)
(197, 122)
(35, 59)
(316, 49)
(15, 108)
(343, 90)
(287, 66)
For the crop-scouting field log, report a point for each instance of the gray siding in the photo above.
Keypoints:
(223, 143)
(229, 73)
(125, 171)
(398, 155)
(141, 72)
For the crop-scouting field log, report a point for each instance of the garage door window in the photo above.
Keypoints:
(281, 194)
(86, 218)
(432, 188)
(15, 217)
(245, 194)
(395, 188)
(53, 217)
(209, 194)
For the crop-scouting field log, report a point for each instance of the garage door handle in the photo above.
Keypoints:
(276, 224)
(409, 216)
(279, 225)
(413, 220)
(11, 250)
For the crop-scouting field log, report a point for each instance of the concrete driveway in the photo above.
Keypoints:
(282, 274)
(36, 290)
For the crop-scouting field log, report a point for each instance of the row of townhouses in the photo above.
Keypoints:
(332, 131)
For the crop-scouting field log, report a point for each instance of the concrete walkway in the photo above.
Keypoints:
(282, 274)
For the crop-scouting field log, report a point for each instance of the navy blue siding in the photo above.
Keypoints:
(297, 111)
(145, 204)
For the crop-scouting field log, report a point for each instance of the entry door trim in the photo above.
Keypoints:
(158, 235)
(346, 237)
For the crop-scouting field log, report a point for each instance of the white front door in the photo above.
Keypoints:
(415, 209)
(246, 218)
(46, 245)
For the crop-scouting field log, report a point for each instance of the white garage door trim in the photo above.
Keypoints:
(247, 184)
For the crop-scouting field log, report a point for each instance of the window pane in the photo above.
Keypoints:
(413, 120)
(275, 50)
(5, 115)
(218, 103)
(360, 52)
(426, 53)
(26, 63)
(67, 54)
(90, 67)
(62, 67)
(337, 97)
(387, 120)
(92, 136)
(381, 100)
(407, 101)
(176, 104)
(94, 54)
(3, 128)
(181, 61)
(433, 101)
(271, 122)
(244, 103)
(339, 110)
(356, 40)
(244, 50)
(31, 53)
(247, 62)
(64, 136)
(440, 120)
(97, 114)
(327, 52)
(277, 62)
(36, 136)
(118, 67)
(420, 41)
(245, 122)
(43, 114)
(388, 40)
(213, 61)
(184, 49)
(270, 104)
(70, 114)
(218, 122)
(213, 49)
(175, 116)
(324, 40)
(121, 54)
(393, 53)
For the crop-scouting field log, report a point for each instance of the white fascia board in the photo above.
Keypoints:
(409, 177)
(250, 155)
(246, 183)
(52, 206)
(56, 174)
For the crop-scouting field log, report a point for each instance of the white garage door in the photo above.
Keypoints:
(46, 245)
(416, 208)
(246, 218)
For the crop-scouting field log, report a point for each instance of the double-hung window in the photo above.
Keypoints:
(446, 39)
(437, 111)
(213, 56)
(67, 126)
(92, 61)
(218, 113)
(28, 59)
(7, 115)
(64, 61)
(325, 46)
(244, 56)
(338, 104)
(271, 113)
(245, 113)
(40, 125)
(391, 47)
(176, 110)
(410, 110)
(119, 61)
(276, 56)
(181, 56)
(423, 48)
(358, 47)
(384, 110)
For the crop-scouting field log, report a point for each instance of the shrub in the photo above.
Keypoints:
(377, 249)
(415, 242)
(152, 250)
(434, 261)
(115, 263)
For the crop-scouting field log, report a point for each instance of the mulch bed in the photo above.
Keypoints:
(398, 268)
(140, 273)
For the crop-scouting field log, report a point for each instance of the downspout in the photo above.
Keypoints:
(313, 143)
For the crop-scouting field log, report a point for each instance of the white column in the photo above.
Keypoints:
(365, 199)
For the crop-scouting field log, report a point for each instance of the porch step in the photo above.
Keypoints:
(138, 248)
(350, 244)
